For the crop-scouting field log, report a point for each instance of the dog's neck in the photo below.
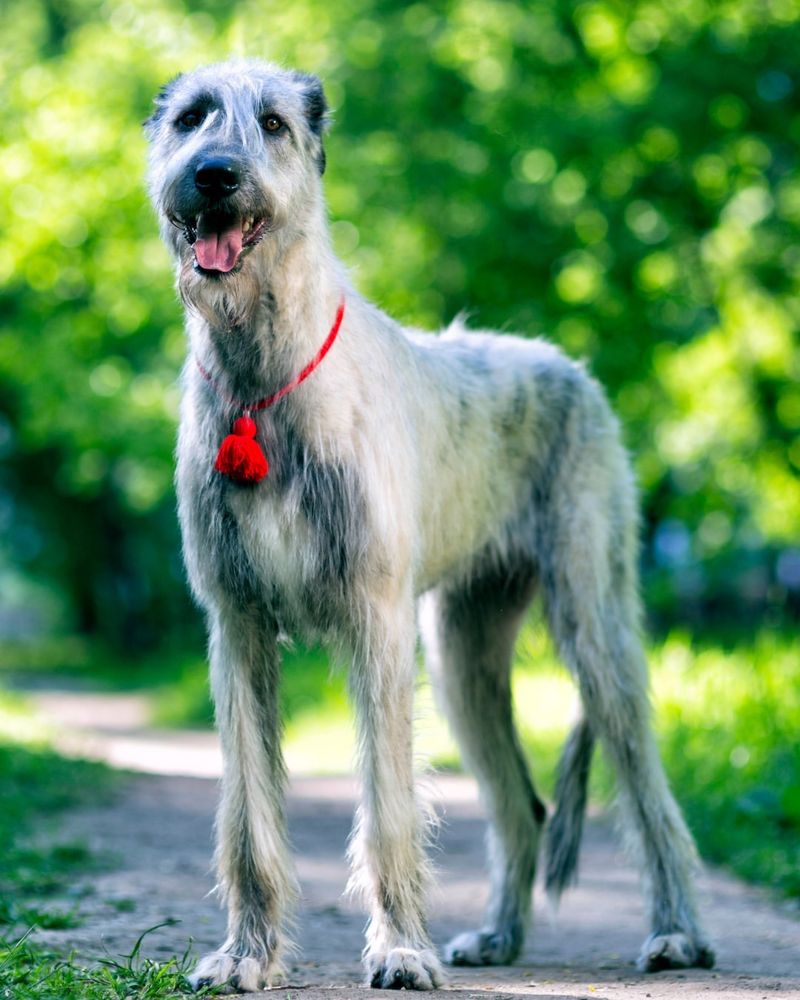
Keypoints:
(262, 326)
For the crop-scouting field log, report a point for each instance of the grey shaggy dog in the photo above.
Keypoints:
(467, 470)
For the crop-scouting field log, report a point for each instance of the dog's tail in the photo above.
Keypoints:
(566, 826)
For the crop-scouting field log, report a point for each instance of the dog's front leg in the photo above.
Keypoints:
(255, 872)
(389, 865)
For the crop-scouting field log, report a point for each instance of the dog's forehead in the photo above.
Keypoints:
(242, 83)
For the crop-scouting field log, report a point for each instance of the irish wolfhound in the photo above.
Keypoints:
(466, 467)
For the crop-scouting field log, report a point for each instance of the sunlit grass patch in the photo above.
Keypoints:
(33, 973)
(728, 716)
(18, 725)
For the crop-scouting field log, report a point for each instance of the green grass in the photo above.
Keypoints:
(729, 718)
(31, 973)
(36, 785)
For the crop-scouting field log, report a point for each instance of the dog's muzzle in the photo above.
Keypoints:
(220, 234)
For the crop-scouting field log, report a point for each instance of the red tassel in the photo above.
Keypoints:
(240, 456)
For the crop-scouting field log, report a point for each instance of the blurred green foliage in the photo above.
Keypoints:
(619, 176)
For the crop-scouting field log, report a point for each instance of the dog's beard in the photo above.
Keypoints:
(226, 303)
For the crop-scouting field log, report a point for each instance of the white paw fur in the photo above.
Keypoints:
(245, 974)
(673, 951)
(481, 948)
(405, 969)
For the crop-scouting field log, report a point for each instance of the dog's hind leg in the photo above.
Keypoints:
(469, 637)
(254, 867)
(390, 871)
(587, 552)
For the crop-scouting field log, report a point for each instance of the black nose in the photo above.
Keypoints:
(216, 178)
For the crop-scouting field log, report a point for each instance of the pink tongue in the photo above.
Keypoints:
(218, 251)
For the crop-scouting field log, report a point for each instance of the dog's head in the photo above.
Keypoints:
(236, 156)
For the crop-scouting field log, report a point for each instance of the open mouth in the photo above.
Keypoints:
(220, 240)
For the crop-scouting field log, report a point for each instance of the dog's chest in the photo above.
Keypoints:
(271, 538)
(294, 541)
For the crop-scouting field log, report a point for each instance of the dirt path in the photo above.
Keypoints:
(159, 833)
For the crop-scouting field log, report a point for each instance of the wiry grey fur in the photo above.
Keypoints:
(470, 468)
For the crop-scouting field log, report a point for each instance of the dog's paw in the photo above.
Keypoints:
(483, 948)
(405, 969)
(673, 951)
(233, 973)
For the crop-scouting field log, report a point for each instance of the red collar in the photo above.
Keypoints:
(240, 455)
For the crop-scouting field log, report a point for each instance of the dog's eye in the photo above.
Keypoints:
(191, 119)
(271, 123)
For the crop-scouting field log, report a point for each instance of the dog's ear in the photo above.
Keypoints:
(161, 100)
(315, 104)
(316, 109)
